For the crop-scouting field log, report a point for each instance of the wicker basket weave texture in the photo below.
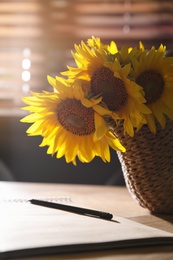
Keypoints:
(148, 167)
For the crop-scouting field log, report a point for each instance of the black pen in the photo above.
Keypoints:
(73, 209)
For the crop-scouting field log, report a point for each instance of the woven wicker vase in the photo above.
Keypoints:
(148, 167)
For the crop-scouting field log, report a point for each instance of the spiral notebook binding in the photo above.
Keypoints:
(63, 198)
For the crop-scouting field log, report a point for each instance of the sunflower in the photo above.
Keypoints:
(106, 77)
(69, 123)
(153, 72)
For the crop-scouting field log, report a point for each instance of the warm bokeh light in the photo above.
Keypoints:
(26, 75)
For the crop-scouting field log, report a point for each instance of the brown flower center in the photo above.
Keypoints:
(111, 88)
(152, 83)
(76, 118)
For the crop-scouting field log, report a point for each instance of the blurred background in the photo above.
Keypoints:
(36, 39)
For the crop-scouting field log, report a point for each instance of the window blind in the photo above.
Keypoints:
(37, 36)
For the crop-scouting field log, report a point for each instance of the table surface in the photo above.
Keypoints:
(114, 199)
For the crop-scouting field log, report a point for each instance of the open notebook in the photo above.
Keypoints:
(30, 230)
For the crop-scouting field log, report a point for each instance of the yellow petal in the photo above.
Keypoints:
(51, 81)
(86, 102)
(100, 126)
(101, 110)
(114, 142)
(77, 90)
(128, 127)
(112, 48)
